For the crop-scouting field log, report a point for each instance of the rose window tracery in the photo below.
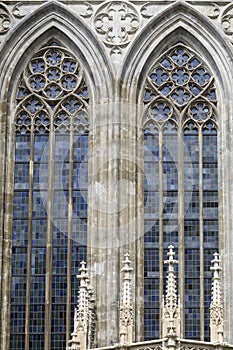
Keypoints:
(182, 81)
(52, 82)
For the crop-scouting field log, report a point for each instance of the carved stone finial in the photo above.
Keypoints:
(216, 306)
(126, 307)
(171, 298)
(170, 308)
(82, 336)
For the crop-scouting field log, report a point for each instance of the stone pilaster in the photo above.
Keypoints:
(170, 307)
(216, 306)
(126, 306)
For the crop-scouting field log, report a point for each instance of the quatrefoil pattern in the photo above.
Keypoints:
(179, 88)
(52, 91)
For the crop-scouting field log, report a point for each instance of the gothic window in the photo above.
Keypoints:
(50, 197)
(181, 186)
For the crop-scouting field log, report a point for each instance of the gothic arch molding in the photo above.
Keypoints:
(54, 20)
(182, 23)
(179, 22)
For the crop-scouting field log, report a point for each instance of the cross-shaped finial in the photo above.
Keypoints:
(83, 274)
(126, 262)
(171, 261)
(216, 268)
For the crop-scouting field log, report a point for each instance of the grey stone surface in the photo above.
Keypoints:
(116, 66)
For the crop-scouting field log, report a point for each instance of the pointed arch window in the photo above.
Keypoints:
(181, 186)
(50, 197)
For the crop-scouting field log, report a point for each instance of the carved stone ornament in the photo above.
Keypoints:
(117, 22)
(227, 20)
(216, 314)
(5, 20)
(6, 17)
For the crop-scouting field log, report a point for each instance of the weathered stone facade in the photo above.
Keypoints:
(117, 42)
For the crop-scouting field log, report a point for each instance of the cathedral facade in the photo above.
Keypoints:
(116, 149)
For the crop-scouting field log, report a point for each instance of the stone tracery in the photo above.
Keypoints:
(52, 83)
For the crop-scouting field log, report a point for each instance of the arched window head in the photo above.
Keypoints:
(181, 186)
(52, 90)
(179, 88)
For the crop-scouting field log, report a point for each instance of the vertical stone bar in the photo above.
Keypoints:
(48, 287)
(29, 247)
(200, 141)
(181, 274)
(69, 247)
(161, 292)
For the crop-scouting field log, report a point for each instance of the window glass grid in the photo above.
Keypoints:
(32, 111)
(161, 80)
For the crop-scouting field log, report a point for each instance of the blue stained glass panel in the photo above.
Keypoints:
(80, 176)
(80, 204)
(62, 149)
(18, 291)
(59, 289)
(21, 176)
(38, 261)
(20, 233)
(80, 148)
(59, 264)
(19, 260)
(20, 205)
(151, 237)
(22, 148)
(61, 199)
(37, 319)
(40, 176)
(41, 148)
(192, 322)
(36, 341)
(151, 324)
(79, 231)
(37, 291)
(39, 232)
(39, 204)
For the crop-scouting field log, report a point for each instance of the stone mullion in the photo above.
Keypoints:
(161, 259)
(200, 140)
(29, 246)
(69, 247)
(49, 237)
(181, 273)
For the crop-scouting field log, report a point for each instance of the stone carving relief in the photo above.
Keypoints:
(5, 20)
(224, 16)
(7, 17)
(227, 20)
(116, 22)
(86, 10)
